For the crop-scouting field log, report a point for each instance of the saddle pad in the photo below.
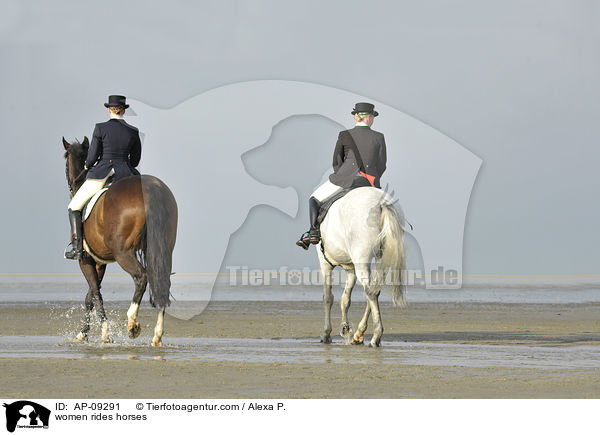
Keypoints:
(328, 203)
(89, 206)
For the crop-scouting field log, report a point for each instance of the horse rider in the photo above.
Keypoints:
(115, 150)
(349, 170)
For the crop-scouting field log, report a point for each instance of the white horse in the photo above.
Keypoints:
(360, 227)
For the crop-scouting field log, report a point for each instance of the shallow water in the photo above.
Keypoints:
(60, 292)
(308, 350)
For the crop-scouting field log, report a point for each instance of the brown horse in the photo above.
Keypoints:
(135, 224)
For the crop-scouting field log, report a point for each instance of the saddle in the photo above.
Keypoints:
(85, 213)
(89, 206)
(326, 205)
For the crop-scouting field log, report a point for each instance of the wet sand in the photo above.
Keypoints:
(360, 373)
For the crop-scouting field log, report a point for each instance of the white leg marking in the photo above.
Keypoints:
(105, 337)
(158, 330)
(132, 312)
(133, 327)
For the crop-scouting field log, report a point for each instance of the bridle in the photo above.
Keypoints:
(76, 179)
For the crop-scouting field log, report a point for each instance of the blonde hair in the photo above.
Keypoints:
(360, 117)
(117, 110)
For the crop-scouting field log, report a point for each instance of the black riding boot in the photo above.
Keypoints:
(77, 230)
(313, 235)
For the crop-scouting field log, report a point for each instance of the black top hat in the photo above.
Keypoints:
(116, 101)
(364, 108)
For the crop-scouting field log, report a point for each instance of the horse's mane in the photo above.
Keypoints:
(76, 149)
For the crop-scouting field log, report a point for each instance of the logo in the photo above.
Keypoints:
(26, 414)
(432, 175)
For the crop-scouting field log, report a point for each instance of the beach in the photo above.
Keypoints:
(271, 349)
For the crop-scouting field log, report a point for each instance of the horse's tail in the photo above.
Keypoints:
(391, 266)
(161, 231)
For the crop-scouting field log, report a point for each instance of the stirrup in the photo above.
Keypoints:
(73, 254)
(304, 241)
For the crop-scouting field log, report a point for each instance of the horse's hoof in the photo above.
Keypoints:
(326, 339)
(81, 337)
(134, 331)
(346, 330)
(374, 344)
(357, 341)
(107, 340)
(156, 342)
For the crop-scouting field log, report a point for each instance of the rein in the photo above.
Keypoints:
(76, 179)
(81, 174)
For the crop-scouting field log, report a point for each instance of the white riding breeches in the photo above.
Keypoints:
(326, 191)
(88, 189)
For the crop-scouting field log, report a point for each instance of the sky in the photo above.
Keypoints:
(514, 83)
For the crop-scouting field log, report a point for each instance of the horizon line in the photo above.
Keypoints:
(217, 274)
